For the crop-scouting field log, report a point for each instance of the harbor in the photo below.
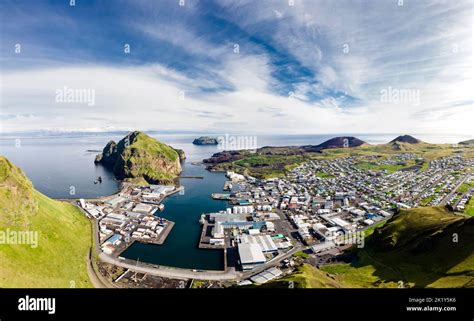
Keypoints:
(131, 216)
(182, 247)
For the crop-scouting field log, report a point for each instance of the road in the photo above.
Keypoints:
(170, 272)
(273, 262)
(95, 277)
(445, 200)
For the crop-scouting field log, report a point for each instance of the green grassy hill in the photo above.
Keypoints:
(306, 277)
(417, 247)
(64, 236)
(141, 159)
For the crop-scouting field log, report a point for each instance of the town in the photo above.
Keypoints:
(326, 205)
(321, 207)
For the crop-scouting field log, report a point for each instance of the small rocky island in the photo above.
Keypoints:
(141, 159)
(206, 140)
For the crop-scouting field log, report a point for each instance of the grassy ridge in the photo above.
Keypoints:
(64, 236)
(153, 146)
(147, 159)
(417, 247)
(305, 276)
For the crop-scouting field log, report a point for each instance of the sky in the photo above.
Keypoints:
(272, 67)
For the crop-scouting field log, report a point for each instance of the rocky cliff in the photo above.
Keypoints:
(139, 158)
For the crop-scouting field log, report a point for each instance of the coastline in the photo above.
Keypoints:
(146, 267)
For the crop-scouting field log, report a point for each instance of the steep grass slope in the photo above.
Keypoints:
(64, 236)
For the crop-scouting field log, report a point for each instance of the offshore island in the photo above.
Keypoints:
(206, 140)
(343, 213)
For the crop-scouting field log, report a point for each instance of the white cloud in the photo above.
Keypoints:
(421, 46)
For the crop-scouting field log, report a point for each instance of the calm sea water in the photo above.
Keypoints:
(180, 248)
(62, 167)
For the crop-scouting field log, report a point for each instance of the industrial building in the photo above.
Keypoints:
(251, 255)
(266, 243)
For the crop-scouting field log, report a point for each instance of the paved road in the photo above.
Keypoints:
(97, 281)
(273, 262)
(445, 200)
(170, 272)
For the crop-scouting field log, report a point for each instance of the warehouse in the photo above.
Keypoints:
(115, 201)
(251, 255)
(265, 242)
(140, 207)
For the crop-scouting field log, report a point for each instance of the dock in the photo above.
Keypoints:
(227, 186)
(165, 233)
(220, 196)
(176, 190)
(158, 241)
(204, 240)
(161, 238)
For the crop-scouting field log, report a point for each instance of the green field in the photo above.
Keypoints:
(323, 175)
(378, 167)
(64, 236)
(465, 187)
(470, 207)
(301, 254)
(426, 200)
(266, 166)
(371, 229)
(305, 276)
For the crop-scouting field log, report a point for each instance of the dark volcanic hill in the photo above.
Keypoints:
(336, 142)
(406, 139)
(467, 142)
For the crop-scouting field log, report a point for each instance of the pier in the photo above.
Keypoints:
(158, 241)
(227, 186)
(220, 196)
(176, 190)
(204, 240)
(164, 234)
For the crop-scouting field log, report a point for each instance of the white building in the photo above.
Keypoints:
(265, 242)
(251, 255)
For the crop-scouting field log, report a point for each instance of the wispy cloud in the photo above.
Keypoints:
(313, 67)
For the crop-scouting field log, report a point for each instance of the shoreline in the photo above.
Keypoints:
(147, 267)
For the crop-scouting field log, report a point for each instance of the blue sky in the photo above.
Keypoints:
(313, 67)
